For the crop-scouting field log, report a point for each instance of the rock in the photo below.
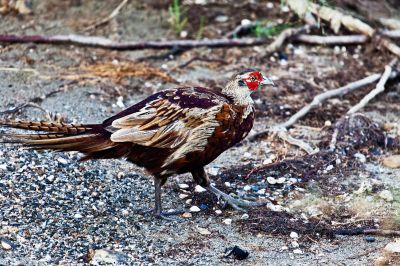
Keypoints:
(187, 215)
(3, 167)
(50, 178)
(6, 244)
(294, 235)
(78, 216)
(183, 186)
(360, 157)
(271, 180)
(245, 216)
(381, 261)
(237, 253)
(227, 221)
(247, 188)
(62, 160)
(183, 34)
(125, 212)
(280, 180)
(295, 244)
(105, 257)
(393, 247)
(245, 22)
(327, 123)
(297, 251)
(370, 239)
(247, 155)
(386, 195)
(183, 196)
(284, 248)
(194, 209)
(203, 231)
(227, 184)
(392, 161)
(218, 212)
(213, 171)
(222, 18)
(199, 189)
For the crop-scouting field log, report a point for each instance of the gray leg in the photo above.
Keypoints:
(201, 178)
(157, 186)
(158, 208)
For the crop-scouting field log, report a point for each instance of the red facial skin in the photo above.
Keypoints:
(253, 80)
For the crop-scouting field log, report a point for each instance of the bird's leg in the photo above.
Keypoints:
(158, 208)
(201, 177)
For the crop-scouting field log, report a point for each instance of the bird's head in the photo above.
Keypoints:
(251, 79)
(244, 83)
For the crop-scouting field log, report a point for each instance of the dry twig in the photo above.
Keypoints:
(107, 19)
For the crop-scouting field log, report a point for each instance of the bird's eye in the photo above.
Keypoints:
(252, 78)
(241, 83)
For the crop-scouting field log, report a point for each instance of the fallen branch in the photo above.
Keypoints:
(363, 231)
(331, 40)
(105, 43)
(337, 19)
(380, 87)
(107, 19)
(283, 134)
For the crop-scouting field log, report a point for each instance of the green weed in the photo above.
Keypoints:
(177, 17)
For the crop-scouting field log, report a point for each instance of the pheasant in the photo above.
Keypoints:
(174, 131)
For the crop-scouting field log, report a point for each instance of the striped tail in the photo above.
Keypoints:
(90, 139)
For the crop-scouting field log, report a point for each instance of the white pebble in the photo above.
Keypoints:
(247, 188)
(271, 180)
(245, 22)
(329, 167)
(294, 235)
(222, 18)
(295, 244)
(285, 9)
(125, 212)
(213, 171)
(227, 221)
(227, 184)
(218, 212)
(120, 102)
(183, 186)
(50, 178)
(360, 157)
(245, 216)
(3, 167)
(247, 155)
(183, 34)
(284, 248)
(183, 196)
(78, 216)
(5, 245)
(199, 189)
(194, 209)
(297, 251)
(62, 161)
(328, 123)
(280, 180)
(270, 5)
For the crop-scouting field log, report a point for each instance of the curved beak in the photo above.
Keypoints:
(267, 81)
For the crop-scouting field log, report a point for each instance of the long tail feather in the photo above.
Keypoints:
(92, 140)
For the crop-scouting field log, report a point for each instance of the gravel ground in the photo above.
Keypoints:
(55, 210)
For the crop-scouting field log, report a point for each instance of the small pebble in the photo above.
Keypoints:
(360, 157)
(187, 215)
(183, 186)
(227, 221)
(78, 216)
(203, 231)
(271, 180)
(386, 195)
(294, 235)
(62, 160)
(280, 180)
(194, 209)
(218, 212)
(245, 216)
(5, 244)
(183, 196)
(297, 251)
(227, 184)
(295, 244)
(247, 188)
(370, 239)
(284, 248)
(199, 189)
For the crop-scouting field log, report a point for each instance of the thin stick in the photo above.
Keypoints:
(105, 43)
(380, 87)
(197, 58)
(331, 40)
(296, 142)
(107, 19)
(329, 94)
